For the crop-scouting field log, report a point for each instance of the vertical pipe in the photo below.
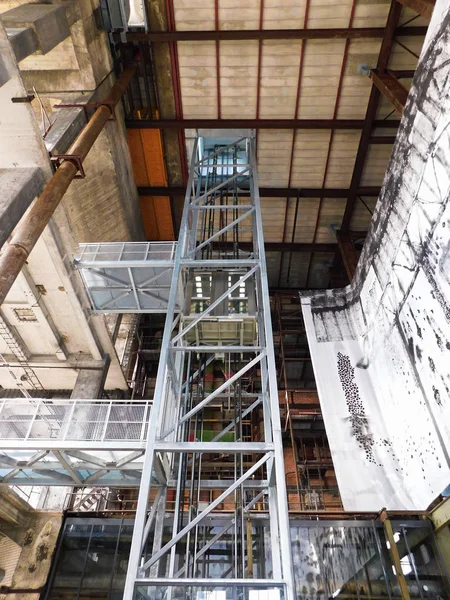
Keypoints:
(393, 550)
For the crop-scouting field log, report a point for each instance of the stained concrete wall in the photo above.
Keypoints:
(102, 207)
(38, 543)
(26, 551)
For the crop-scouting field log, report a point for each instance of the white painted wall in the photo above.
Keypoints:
(381, 347)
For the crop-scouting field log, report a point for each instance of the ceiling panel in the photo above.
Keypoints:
(194, 14)
(274, 155)
(323, 13)
(331, 213)
(279, 78)
(341, 161)
(288, 14)
(238, 79)
(376, 162)
(235, 14)
(322, 66)
(198, 78)
(310, 157)
(305, 221)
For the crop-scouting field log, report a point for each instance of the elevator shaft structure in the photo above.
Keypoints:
(216, 356)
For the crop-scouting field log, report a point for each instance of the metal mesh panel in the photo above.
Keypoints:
(72, 420)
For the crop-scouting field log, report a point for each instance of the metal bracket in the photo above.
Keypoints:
(23, 99)
(75, 159)
(108, 104)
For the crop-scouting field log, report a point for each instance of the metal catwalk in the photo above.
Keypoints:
(210, 477)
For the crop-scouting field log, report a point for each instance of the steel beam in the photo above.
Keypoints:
(278, 246)
(422, 7)
(395, 556)
(390, 87)
(352, 124)
(266, 34)
(215, 447)
(372, 108)
(278, 192)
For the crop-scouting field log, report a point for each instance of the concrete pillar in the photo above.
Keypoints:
(21, 144)
(48, 23)
(19, 188)
(90, 382)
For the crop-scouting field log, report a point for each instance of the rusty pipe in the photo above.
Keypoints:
(30, 229)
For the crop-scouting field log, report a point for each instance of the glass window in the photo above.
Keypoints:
(92, 559)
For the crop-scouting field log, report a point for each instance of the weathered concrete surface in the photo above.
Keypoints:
(67, 125)
(23, 40)
(19, 188)
(22, 146)
(124, 176)
(38, 546)
(20, 138)
(48, 22)
(9, 556)
(90, 382)
(13, 509)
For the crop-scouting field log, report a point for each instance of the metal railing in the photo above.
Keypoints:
(28, 420)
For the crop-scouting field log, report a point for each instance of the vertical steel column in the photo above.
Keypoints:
(235, 333)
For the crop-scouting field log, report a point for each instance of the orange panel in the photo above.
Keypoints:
(149, 168)
(157, 218)
(137, 156)
(154, 156)
(164, 218)
(149, 217)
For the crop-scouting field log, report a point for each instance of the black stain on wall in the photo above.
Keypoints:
(358, 418)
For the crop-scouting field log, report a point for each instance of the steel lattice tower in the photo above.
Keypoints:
(218, 312)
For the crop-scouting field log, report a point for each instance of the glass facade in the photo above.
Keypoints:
(332, 559)
(91, 559)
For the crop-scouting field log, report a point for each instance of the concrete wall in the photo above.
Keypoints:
(38, 544)
(60, 335)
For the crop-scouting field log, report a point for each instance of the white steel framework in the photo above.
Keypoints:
(72, 442)
(127, 277)
(224, 323)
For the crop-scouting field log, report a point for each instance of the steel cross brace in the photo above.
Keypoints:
(205, 512)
